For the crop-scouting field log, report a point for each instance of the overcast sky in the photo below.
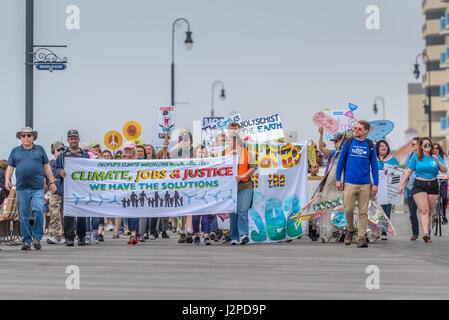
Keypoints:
(292, 57)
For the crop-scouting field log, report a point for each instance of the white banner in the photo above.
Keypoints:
(150, 188)
(280, 191)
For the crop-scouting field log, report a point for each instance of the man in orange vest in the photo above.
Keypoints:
(246, 167)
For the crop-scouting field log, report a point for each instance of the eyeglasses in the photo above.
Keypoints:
(427, 145)
(60, 149)
(28, 135)
(357, 129)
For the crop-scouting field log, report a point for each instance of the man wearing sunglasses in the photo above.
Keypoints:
(31, 165)
(56, 217)
(358, 158)
(412, 207)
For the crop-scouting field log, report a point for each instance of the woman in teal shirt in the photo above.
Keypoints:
(384, 157)
(425, 188)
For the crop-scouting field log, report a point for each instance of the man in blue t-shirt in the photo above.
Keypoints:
(357, 163)
(408, 192)
(31, 164)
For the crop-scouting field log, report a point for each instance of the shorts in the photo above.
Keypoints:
(429, 187)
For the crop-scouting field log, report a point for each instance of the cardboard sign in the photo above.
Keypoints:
(329, 124)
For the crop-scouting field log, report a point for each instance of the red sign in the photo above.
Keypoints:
(329, 124)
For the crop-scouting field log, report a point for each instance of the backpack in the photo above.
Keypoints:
(348, 145)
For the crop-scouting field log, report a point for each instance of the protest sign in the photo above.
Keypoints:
(262, 129)
(279, 193)
(329, 124)
(389, 185)
(165, 125)
(380, 129)
(149, 188)
(131, 130)
(344, 118)
(212, 126)
(113, 140)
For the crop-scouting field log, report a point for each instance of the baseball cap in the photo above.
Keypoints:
(94, 144)
(73, 133)
(337, 137)
(129, 145)
(58, 145)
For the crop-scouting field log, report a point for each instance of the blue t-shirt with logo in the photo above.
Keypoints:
(427, 168)
(29, 166)
(358, 163)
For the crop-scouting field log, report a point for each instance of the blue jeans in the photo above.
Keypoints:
(25, 198)
(93, 222)
(133, 224)
(239, 220)
(387, 210)
(413, 216)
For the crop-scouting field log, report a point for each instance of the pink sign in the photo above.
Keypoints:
(329, 124)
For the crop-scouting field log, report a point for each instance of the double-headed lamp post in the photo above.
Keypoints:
(188, 43)
(215, 84)
(375, 110)
(427, 108)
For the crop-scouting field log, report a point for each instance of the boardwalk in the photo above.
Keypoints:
(164, 269)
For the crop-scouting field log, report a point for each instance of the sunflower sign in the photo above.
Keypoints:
(113, 140)
(131, 130)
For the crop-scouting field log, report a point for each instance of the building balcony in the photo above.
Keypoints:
(437, 78)
(431, 28)
(428, 5)
(434, 52)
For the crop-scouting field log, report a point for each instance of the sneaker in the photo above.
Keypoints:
(115, 236)
(26, 246)
(37, 244)
(152, 237)
(414, 237)
(384, 237)
(62, 241)
(146, 236)
(207, 241)
(69, 242)
(88, 238)
(196, 240)
(100, 237)
(234, 242)
(189, 238)
(218, 238)
(227, 239)
(109, 227)
(96, 238)
(164, 235)
(121, 230)
(132, 240)
(52, 240)
(348, 238)
(212, 236)
(142, 238)
(244, 240)
(361, 243)
(444, 221)
(182, 238)
(81, 241)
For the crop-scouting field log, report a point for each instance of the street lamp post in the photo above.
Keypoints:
(427, 108)
(222, 95)
(188, 43)
(383, 106)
